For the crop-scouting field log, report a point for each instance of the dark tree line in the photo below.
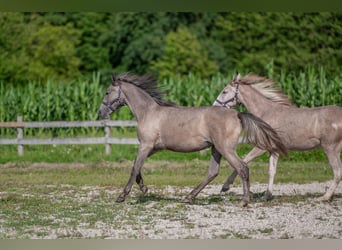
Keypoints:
(64, 46)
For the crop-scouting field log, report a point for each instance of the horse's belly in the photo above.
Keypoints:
(187, 144)
(302, 143)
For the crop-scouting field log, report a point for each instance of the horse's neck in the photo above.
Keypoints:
(255, 102)
(137, 100)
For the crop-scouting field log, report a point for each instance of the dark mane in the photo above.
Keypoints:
(148, 83)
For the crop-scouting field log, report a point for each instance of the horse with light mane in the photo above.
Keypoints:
(299, 128)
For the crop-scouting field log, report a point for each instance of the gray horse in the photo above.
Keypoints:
(299, 128)
(163, 125)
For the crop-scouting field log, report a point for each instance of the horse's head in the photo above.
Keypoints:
(113, 99)
(229, 95)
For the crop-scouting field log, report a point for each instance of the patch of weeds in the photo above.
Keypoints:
(189, 225)
(231, 197)
(209, 200)
(225, 235)
(240, 236)
(158, 231)
(215, 199)
(150, 196)
(279, 200)
(267, 230)
(9, 198)
(192, 237)
(259, 196)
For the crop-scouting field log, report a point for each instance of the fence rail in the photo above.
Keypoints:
(106, 124)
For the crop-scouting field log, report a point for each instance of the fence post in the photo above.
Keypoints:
(107, 136)
(20, 136)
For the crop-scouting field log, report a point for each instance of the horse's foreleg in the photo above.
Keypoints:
(335, 163)
(255, 152)
(135, 173)
(272, 171)
(140, 181)
(212, 173)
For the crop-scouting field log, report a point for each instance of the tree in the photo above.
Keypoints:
(183, 54)
(13, 38)
(291, 41)
(52, 52)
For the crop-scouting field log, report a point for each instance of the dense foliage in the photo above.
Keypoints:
(80, 100)
(65, 46)
(55, 66)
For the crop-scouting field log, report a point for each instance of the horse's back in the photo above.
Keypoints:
(182, 128)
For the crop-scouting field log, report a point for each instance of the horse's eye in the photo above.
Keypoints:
(107, 93)
(224, 92)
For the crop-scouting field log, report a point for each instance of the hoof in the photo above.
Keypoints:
(187, 200)
(322, 199)
(267, 196)
(144, 189)
(120, 199)
(243, 203)
(224, 188)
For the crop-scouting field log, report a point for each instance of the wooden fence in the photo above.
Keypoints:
(106, 139)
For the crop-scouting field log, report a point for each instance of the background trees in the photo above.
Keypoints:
(65, 46)
(183, 53)
(55, 66)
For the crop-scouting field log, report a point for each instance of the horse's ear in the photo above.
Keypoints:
(236, 77)
(113, 79)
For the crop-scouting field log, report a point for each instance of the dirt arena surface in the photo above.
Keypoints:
(91, 212)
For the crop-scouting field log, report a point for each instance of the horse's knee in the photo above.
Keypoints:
(244, 172)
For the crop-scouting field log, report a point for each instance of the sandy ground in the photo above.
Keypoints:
(298, 220)
(292, 214)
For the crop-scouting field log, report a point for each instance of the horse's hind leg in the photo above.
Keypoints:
(243, 171)
(255, 152)
(335, 163)
(212, 173)
(272, 171)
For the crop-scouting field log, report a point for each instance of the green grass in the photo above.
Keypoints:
(155, 173)
(96, 153)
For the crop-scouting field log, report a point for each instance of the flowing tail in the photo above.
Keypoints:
(261, 134)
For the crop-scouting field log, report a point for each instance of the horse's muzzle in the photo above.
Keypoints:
(104, 112)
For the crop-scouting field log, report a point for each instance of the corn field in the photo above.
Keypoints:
(80, 100)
